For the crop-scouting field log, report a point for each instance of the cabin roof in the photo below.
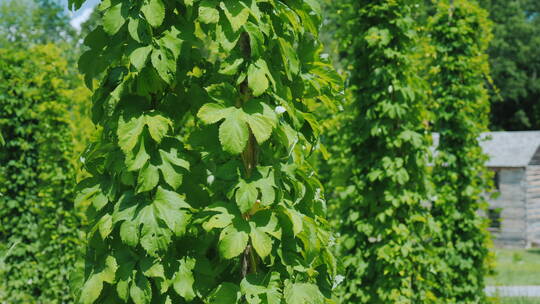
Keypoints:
(508, 148)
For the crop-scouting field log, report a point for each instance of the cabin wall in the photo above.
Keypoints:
(533, 204)
(512, 203)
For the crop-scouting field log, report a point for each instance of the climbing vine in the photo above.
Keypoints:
(40, 238)
(385, 227)
(200, 189)
(460, 33)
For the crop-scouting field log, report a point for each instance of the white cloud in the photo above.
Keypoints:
(81, 18)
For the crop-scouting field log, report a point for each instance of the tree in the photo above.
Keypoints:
(200, 189)
(29, 22)
(39, 229)
(514, 56)
(460, 33)
(384, 225)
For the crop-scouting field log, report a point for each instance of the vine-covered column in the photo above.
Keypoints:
(40, 230)
(200, 189)
(460, 33)
(386, 223)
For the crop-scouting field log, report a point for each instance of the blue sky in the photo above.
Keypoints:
(81, 15)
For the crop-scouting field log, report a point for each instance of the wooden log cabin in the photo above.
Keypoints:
(515, 211)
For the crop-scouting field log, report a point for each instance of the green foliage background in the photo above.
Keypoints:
(37, 218)
(44, 114)
(201, 186)
(200, 190)
(514, 54)
(460, 33)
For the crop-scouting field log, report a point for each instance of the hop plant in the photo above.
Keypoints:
(201, 191)
(460, 33)
(384, 221)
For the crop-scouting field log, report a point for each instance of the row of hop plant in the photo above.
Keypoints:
(201, 183)
(411, 230)
(41, 237)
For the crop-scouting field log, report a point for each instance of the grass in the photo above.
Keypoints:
(518, 301)
(516, 267)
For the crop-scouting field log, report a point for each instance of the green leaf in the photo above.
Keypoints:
(208, 12)
(154, 238)
(211, 113)
(221, 218)
(252, 287)
(233, 133)
(139, 56)
(122, 289)
(378, 36)
(170, 207)
(223, 93)
(154, 12)
(296, 220)
(75, 4)
(289, 55)
(302, 293)
(91, 289)
(172, 42)
(148, 178)
(165, 66)
(105, 225)
(225, 293)
(267, 187)
(172, 157)
(246, 196)
(86, 193)
(226, 37)
(232, 242)
(133, 29)
(125, 208)
(183, 281)
(93, 286)
(113, 19)
(99, 201)
(96, 39)
(314, 5)
(158, 126)
(140, 159)
(108, 274)
(129, 132)
(141, 291)
(261, 127)
(327, 73)
(170, 174)
(129, 233)
(230, 68)
(152, 268)
(257, 80)
(256, 39)
(140, 30)
(266, 221)
(262, 243)
(273, 291)
(237, 13)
